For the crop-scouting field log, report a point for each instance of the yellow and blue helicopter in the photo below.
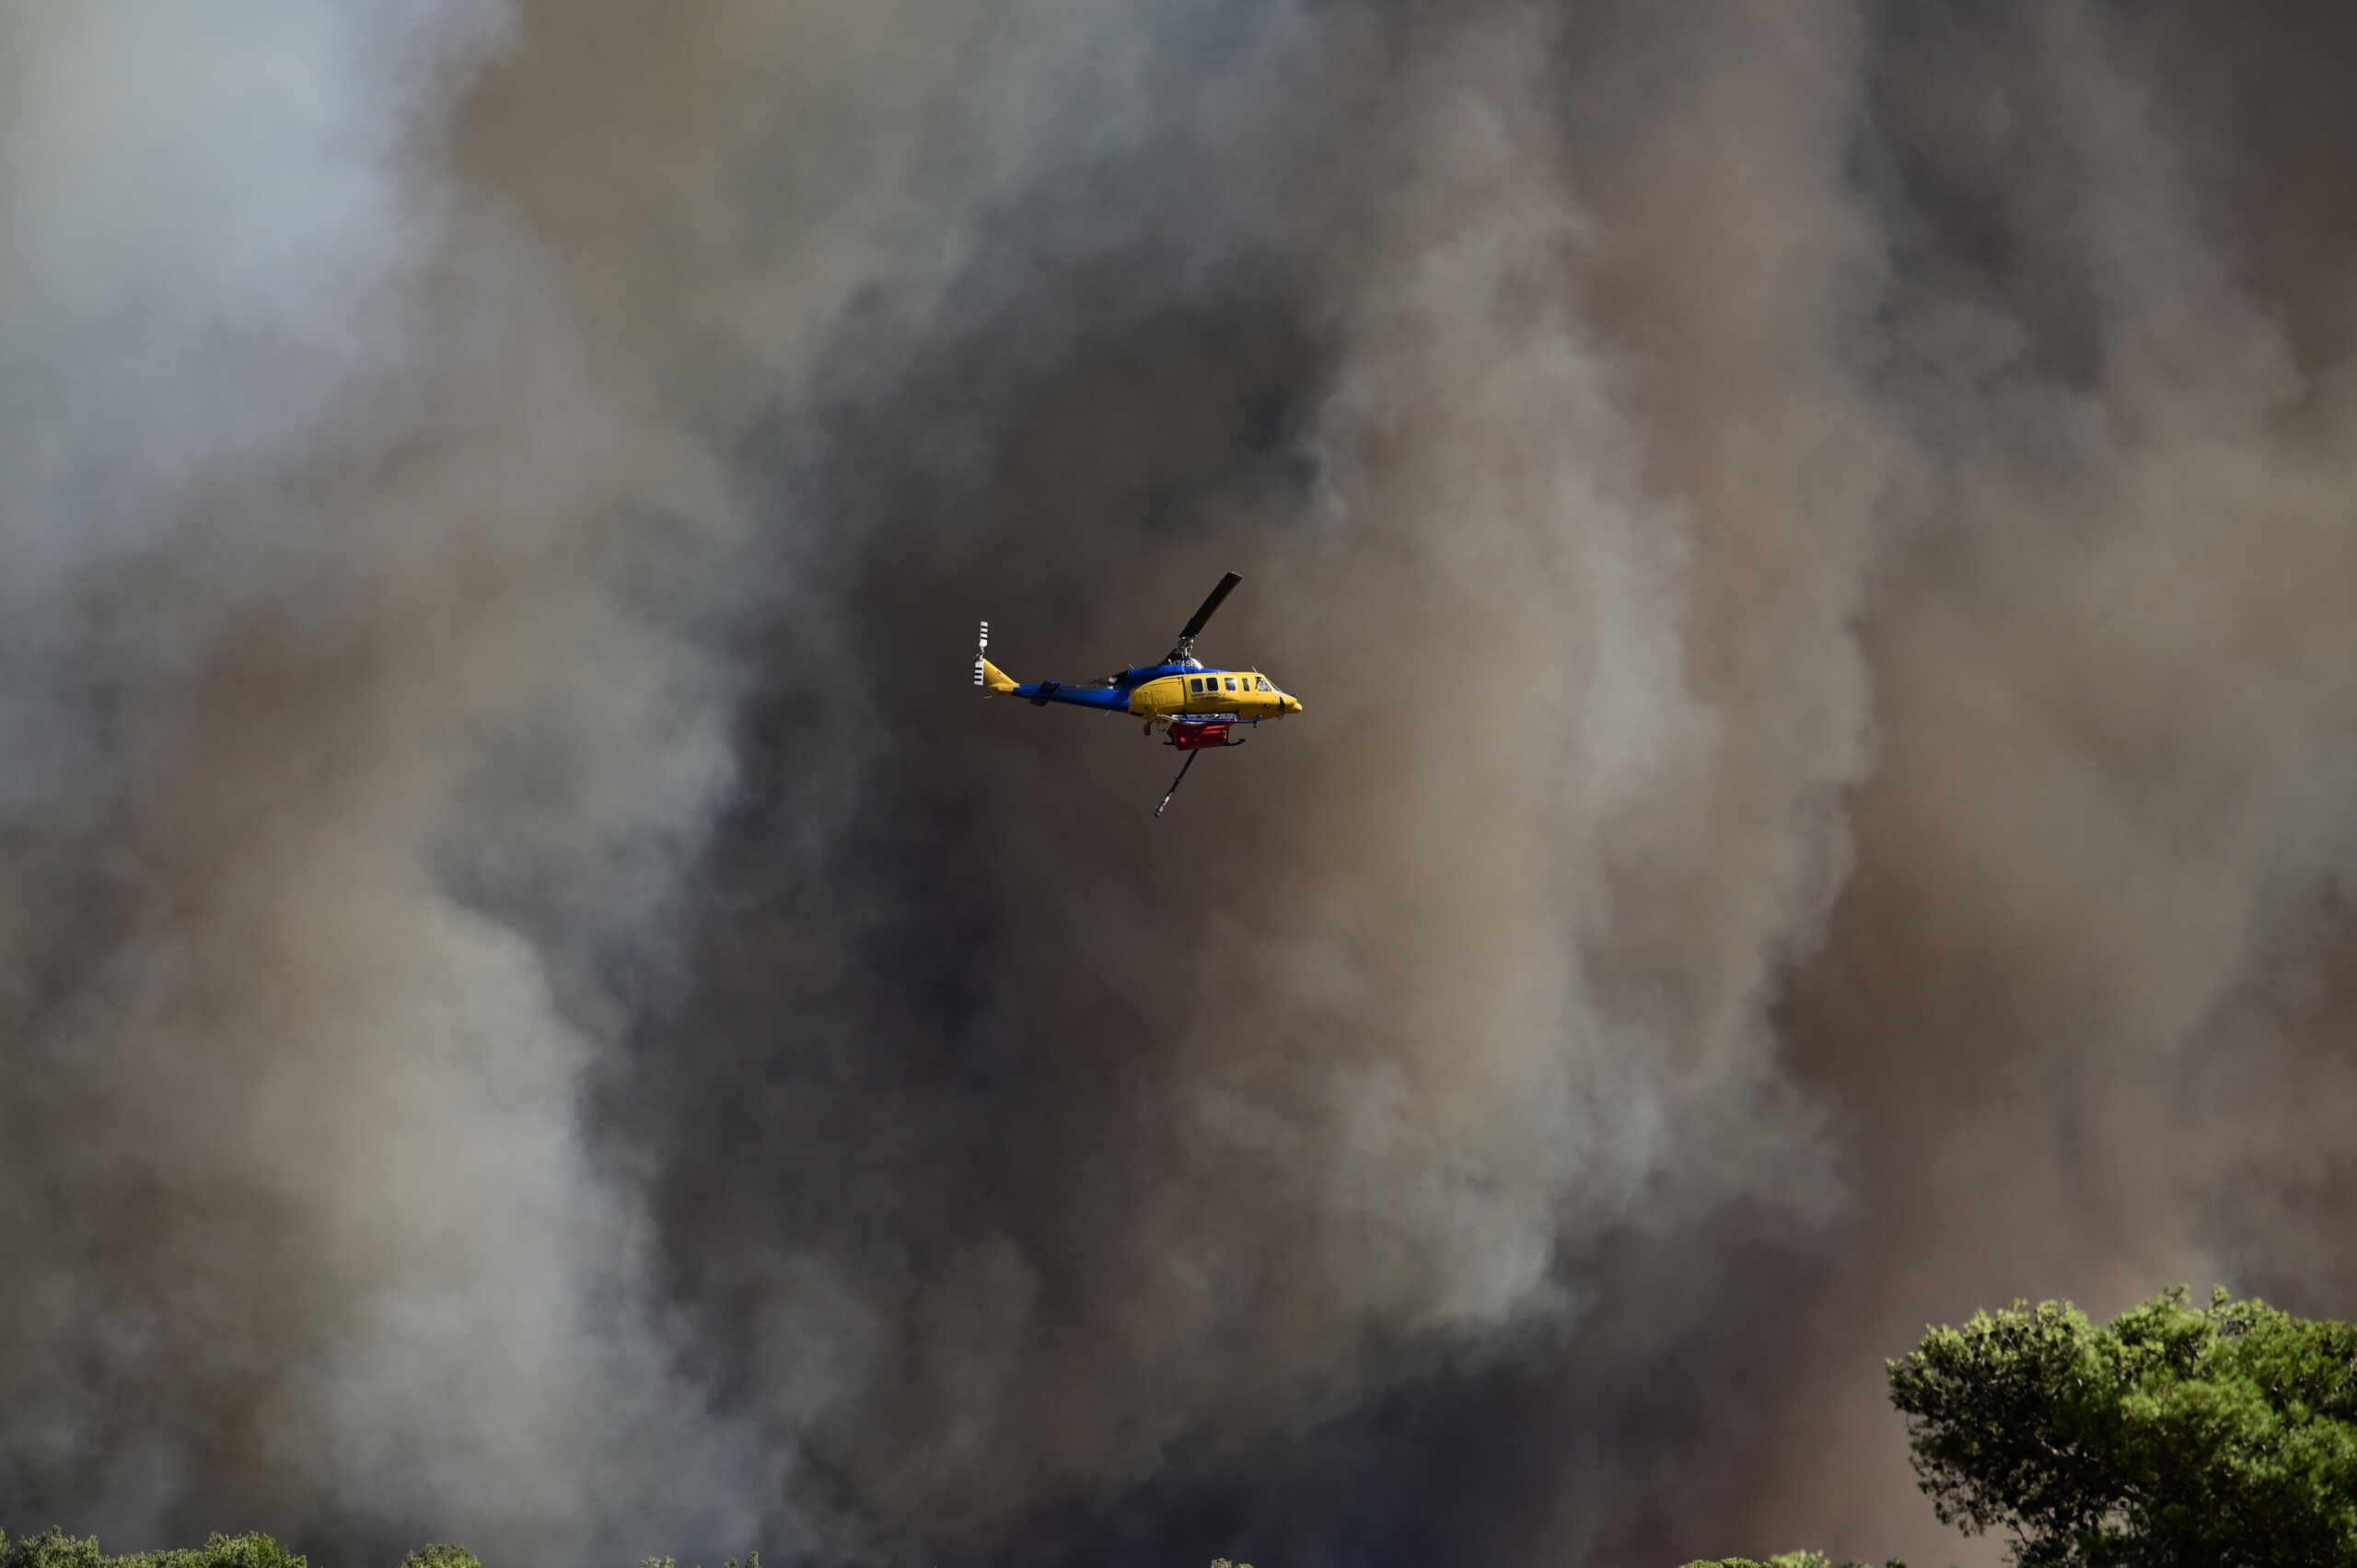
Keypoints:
(1196, 705)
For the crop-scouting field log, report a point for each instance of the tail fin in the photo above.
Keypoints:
(988, 676)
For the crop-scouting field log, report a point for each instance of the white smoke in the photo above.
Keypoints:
(1814, 537)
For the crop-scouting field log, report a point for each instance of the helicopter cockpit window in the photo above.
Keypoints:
(1261, 683)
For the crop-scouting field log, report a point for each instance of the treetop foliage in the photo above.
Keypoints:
(2212, 1437)
(2175, 1436)
(54, 1549)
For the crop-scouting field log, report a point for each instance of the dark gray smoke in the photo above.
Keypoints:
(539, 1008)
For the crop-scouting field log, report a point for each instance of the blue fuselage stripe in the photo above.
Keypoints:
(1112, 697)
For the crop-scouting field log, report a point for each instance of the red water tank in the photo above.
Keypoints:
(1195, 737)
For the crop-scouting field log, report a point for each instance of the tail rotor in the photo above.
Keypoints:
(995, 682)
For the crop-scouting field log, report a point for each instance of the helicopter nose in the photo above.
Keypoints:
(1292, 704)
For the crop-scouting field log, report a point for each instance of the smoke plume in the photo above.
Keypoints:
(540, 1009)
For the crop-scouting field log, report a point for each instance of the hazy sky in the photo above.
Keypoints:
(540, 1008)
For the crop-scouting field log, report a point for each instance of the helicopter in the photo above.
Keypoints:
(1198, 706)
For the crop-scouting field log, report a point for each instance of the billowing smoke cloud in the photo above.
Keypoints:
(1816, 539)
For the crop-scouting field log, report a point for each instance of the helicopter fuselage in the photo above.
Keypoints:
(1160, 693)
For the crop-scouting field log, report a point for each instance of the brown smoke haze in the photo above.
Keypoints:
(1818, 540)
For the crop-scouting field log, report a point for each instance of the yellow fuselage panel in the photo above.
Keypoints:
(1170, 696)
(1159, 699)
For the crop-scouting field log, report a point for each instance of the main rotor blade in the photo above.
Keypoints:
(1218, 596)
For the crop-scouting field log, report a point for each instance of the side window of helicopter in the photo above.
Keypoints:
(1261, 683)
(1195, 683)
(1231, 683)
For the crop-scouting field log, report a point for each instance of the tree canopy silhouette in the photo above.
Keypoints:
(2222, 1435)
